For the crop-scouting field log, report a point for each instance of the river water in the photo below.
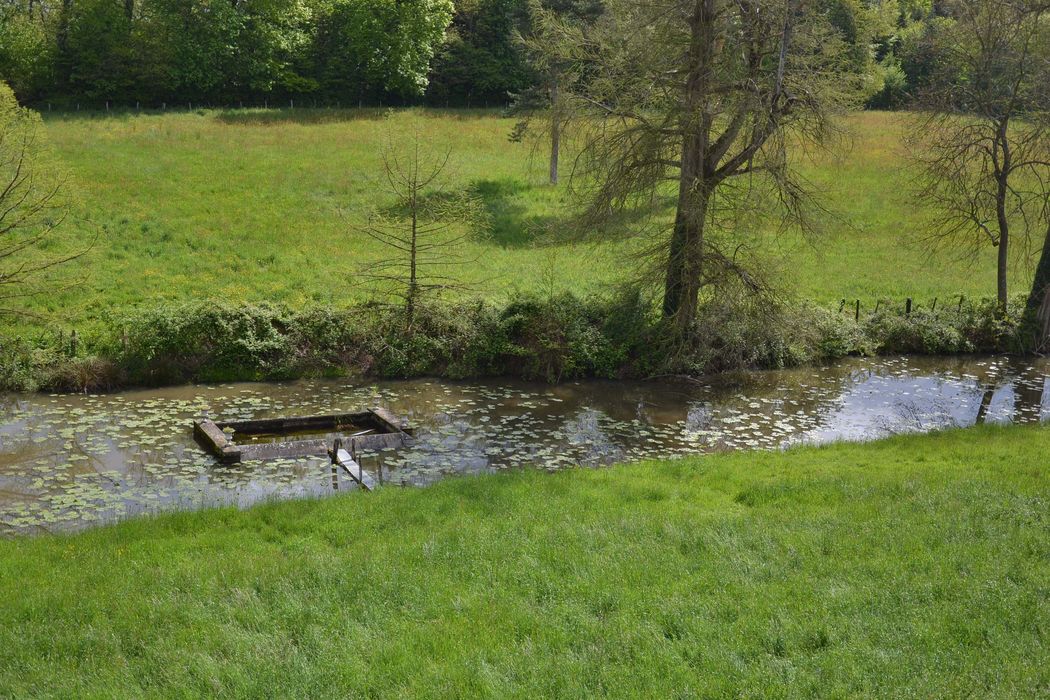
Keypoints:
(68, 461)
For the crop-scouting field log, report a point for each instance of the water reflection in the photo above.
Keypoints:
(69, 460)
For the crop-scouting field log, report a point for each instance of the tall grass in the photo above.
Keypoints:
(910, 568)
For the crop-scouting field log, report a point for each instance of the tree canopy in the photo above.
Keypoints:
(153, 51)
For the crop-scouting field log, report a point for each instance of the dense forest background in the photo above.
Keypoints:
(454, 52)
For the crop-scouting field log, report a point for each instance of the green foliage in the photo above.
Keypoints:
(967, 328)
(22, 365)
(25, 52)
(374, 47)
(174, 51)
(553, 338)
(893, 93)
(206, 342)
(480, 62)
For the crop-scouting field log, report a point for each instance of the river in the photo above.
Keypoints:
(70, 461)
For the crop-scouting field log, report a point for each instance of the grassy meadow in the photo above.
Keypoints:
(911, 567)
(259, 205)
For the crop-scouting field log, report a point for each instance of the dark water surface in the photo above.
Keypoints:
(67, 461)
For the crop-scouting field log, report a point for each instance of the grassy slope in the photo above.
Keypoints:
(246, 206)
(914, 567)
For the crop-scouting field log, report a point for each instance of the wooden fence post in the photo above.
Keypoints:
(856, 313)
(907, 307)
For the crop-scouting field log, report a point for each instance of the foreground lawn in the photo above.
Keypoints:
(915, 567)
(259, 205)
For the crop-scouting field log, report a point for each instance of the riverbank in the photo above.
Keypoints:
(548, 338)
(914, 566)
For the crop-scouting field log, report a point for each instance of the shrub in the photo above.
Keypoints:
(547, 338)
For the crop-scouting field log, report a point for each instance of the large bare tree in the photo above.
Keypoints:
(983, 140)
(710, 98)
(32, 206)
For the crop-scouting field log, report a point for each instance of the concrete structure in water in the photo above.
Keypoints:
(374, 429)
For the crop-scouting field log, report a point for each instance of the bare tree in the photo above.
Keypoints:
(546, 108)
(425, 229)
(32, 207)
(983, 139)
(710, 95)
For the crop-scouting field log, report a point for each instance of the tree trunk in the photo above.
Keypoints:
(129, 9)
(1002, 191)
(555, 133)
(413, 286)
(686, 251)
(1003, 265)
(64, 63)
(1037, 309)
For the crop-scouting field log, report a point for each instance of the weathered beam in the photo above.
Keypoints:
(363, 478)
(284, 450)
(390, 420)
(279, 425)
(216, 441)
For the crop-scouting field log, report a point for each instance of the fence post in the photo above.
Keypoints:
(907, 307)
(73, 343)
(842, 305)
(856, 313)
(878, 302)
(961, 297)
(934, 306)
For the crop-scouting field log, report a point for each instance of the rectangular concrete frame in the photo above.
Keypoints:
(391, 433)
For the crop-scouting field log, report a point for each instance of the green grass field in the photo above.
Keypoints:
(915, 567)
(258, 206)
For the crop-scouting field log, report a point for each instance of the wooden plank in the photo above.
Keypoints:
(212, 436)
(386, 418)
(278, 425)
(390, 420)
(284, 450)
(366, 480)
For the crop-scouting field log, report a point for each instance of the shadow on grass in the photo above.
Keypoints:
(307, 116)
(513, 226)
(248, 117)
(511, 221)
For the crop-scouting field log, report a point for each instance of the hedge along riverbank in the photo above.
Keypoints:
(540, 338)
